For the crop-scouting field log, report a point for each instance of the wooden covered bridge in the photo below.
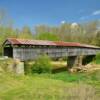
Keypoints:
(24, 50)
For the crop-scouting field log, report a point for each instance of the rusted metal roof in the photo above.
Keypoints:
(15, 41)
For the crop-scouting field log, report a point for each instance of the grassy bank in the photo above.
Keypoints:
(59, 86)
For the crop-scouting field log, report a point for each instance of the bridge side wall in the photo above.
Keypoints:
(74, 61)
(30, 53)
(33, 53)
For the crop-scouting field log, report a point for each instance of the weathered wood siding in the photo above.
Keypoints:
(29, 53)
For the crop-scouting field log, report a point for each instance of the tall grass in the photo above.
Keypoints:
(38, 88)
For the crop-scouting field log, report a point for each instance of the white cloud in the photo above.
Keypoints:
(74, 24)
(97, 12)
(63, 22)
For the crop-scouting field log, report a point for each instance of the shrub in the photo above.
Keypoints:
(97, 58)
(42, 65)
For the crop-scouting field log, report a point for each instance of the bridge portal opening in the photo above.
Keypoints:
(8, 51)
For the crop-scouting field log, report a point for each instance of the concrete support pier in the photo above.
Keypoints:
(74, 61)
(77, 62)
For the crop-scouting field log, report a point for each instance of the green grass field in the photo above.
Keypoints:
(59, 86)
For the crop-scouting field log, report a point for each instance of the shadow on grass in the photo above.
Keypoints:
(58, 70)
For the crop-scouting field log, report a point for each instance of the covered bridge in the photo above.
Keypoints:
(25, 49)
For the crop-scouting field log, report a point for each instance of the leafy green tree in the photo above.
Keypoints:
(47, 36)
(25, 33)
(97, 39)
(90, 29)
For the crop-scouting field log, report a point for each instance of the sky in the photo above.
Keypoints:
(50, 12)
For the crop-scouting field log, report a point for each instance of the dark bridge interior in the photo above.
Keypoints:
(8, 51)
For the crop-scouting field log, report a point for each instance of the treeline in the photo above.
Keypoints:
(88, 33)
(85, 33)
(71, 32)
